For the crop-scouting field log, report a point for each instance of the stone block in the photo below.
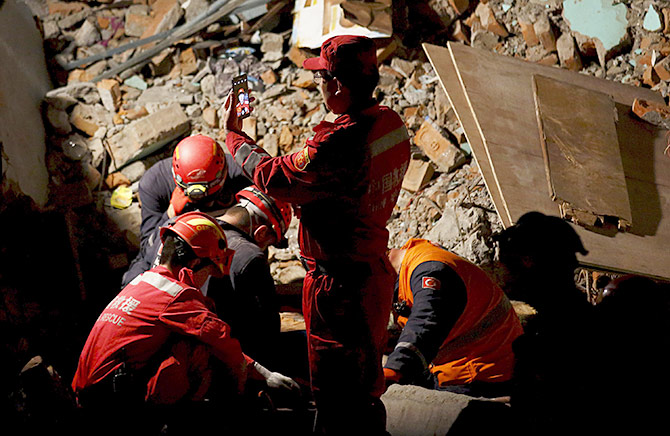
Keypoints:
(666, 20)
(87, 34)
(165, 15)
(165, 94)
(59, 120)
(438, 148)
(272, 43)
(249, 127)
(161, 126)
(405, 68)
(210, 116)
(419, 173)
(110, 94)
(137, 20)
(545, 33)
(567, 53)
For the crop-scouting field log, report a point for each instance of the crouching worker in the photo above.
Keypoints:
(158, 348)
(458, 325)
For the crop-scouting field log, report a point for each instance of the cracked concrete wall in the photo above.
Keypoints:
(23, 82)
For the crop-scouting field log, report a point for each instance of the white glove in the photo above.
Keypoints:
(276, 380)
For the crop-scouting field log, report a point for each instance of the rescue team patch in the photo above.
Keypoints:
(431, 283)
(301, 159)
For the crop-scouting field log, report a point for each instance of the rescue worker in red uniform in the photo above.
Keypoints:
(152, 344)
(343, 184)
(246, 298)
(457, 324)
(198, 176)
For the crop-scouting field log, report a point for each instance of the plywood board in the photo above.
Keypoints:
(456, 96)
(496, 103)
(581, 153)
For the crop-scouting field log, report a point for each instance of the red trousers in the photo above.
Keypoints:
(346, 309)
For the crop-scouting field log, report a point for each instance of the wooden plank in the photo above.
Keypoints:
(581, 153)
(442, 62)
(497, 94)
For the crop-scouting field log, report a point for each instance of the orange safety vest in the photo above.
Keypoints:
(479, 345)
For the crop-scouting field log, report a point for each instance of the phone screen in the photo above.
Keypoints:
(241, 96)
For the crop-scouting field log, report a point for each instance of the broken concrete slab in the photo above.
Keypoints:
(89, 118)
(165, 94)
(153, 130)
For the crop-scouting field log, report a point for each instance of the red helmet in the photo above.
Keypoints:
(204, 235)
(277, 213)
(199, 166)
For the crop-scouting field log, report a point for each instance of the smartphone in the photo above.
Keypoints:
(241, 96)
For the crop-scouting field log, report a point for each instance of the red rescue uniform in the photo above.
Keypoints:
(135, 327)
(345, 183)
(476, 344)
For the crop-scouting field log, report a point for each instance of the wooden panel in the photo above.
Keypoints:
(442, 62)
(497, 91)
(581, 153)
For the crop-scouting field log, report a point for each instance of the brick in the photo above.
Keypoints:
(662, 69)
(110, 94)
(418, 174)
(188, 62)
(488, 20)
(297, 55)
(652, 112)
(438, 148)
(528, 32)
(666, 20)
(303, 79)
(115, 180)
(550, 59)
(89, 118)
(567, 53)
(545, 33)
(285, 138)
(460, 6)
(269, 77)
(161, 126)
(460, 32)
(649, 77)
(65, 8)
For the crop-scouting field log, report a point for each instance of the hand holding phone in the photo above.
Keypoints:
(241, 96)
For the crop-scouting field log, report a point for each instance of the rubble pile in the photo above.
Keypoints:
(110, 119)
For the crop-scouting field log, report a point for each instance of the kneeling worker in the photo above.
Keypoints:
(152, 345)
(458, 325)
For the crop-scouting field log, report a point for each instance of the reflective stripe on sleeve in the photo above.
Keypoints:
(158, 281)
(242, 153)
(389, 140)
(409, 346)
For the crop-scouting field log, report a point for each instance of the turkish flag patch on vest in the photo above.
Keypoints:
(431, 283)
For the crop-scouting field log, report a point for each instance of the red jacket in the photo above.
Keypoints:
(345, 181)
(142, 317)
